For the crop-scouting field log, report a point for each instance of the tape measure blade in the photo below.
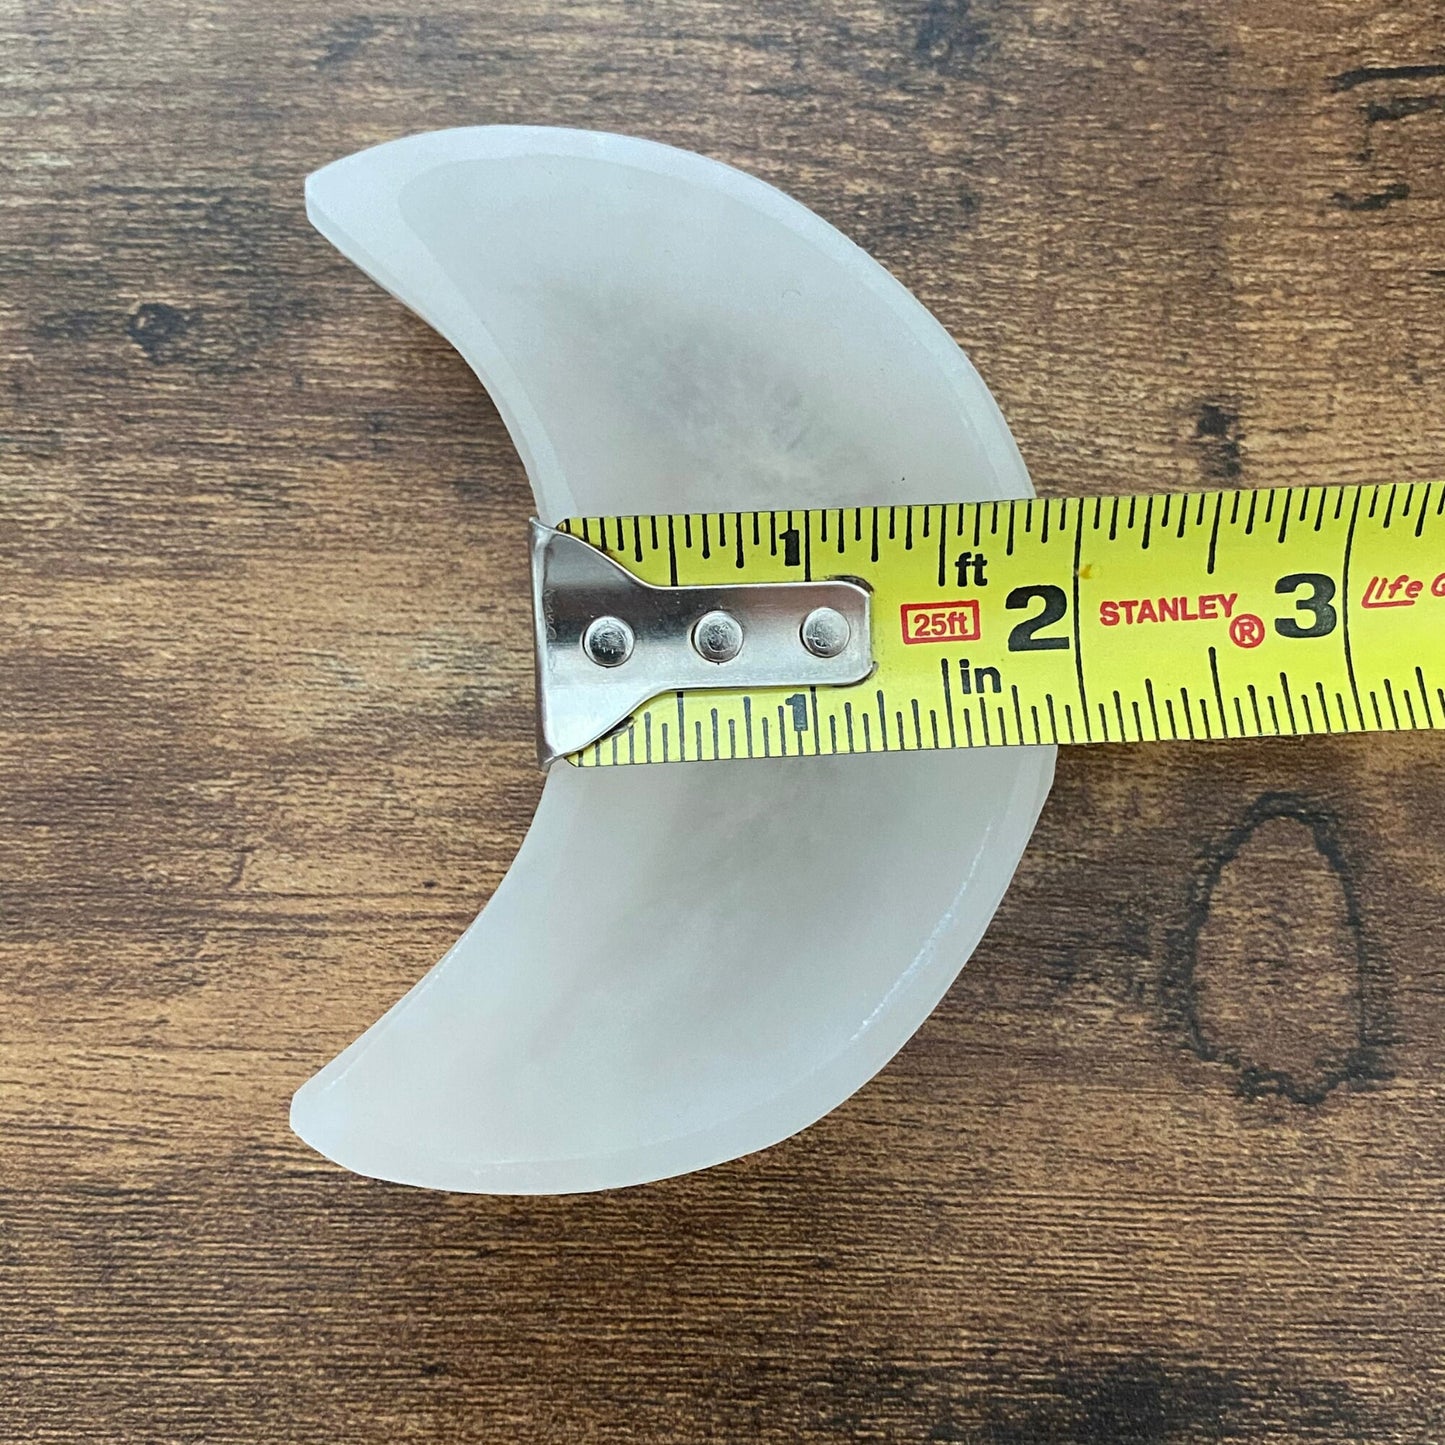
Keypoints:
(1121, 618)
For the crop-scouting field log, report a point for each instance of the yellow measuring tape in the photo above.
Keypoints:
(1065, 620)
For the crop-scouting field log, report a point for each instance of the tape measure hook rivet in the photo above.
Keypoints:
(717, 636)
(825, 632)
(608, 641)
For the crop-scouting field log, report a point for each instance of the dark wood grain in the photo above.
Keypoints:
(1169, 1162)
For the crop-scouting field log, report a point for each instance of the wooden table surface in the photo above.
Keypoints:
(1168, 1164)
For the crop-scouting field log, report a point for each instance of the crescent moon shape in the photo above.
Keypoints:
(686, 962)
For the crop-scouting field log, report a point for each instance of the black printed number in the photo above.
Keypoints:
(1024, 637)
(1317, 605)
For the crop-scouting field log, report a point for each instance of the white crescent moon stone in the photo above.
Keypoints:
(685, 962)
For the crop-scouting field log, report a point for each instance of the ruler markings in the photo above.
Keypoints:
(1188, 711)
(1214, 532)
(1284, 688)
(1218, 690)
(1355, 571)
(1078, 641)
(1345, 610)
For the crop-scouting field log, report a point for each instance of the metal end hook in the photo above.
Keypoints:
(607, 642)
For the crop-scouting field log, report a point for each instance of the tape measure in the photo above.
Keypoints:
(1231, 614)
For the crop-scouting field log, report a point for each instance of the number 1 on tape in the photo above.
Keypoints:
(1105, 619)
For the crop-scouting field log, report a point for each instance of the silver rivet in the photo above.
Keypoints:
(825, 632)
(718, 637)
(608, 641)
